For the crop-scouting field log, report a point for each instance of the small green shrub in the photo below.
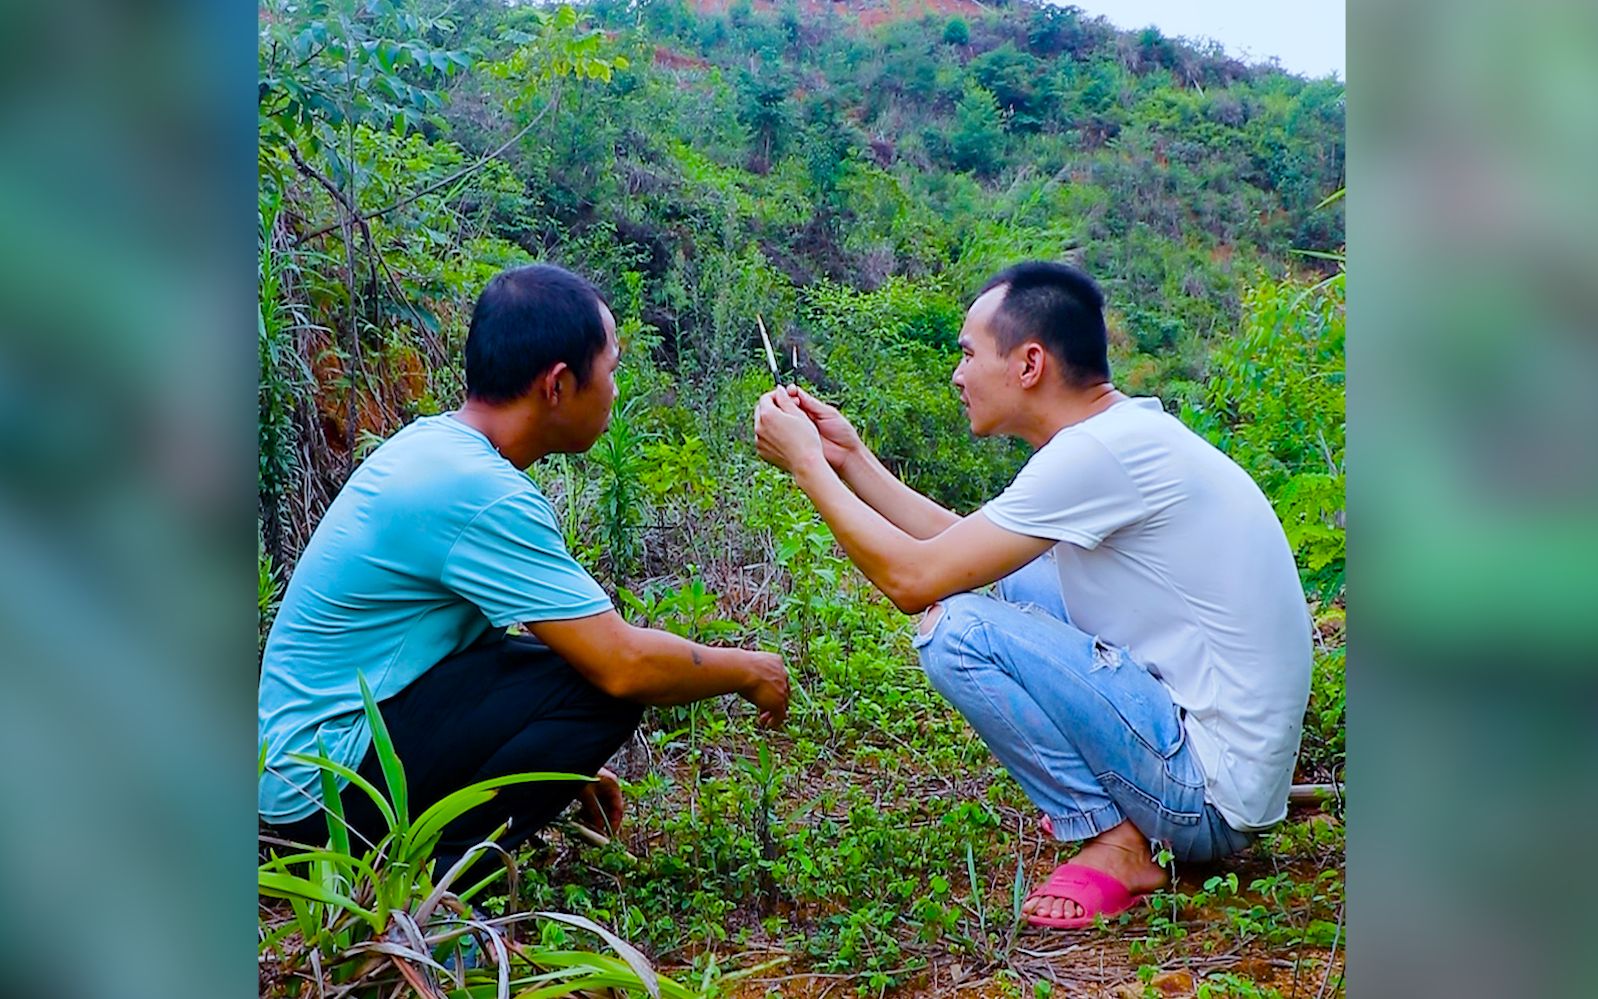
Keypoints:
(374, 918)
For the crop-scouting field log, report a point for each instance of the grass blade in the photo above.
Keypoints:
(354, 778)
(416, 980)
(277, 884)
(467, 859)
(501, 957)
(575, 985)
(441, 813)
(338, 832)
(771, 355)
(1017, 893)
(393, 772)
(627, 951)
(396, 950)
(609, 971)
(976, 891)
(355, 865)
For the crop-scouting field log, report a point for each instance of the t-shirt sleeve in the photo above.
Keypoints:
(513, 564)
(1073, 489)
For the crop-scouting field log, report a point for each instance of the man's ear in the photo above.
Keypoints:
(556, 384)
(1034, 359)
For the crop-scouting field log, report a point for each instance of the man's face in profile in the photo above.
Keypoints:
(592, 402)
(983, 374)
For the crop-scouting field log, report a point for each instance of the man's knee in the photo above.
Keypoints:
(955, 613)
(943, 629)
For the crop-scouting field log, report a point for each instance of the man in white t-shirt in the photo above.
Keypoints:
(1144, 667)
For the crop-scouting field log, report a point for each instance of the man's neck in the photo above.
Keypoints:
(1070, 409)
(506, 429)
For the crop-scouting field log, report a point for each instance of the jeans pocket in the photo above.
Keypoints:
(1153, 817)
(1182, 765)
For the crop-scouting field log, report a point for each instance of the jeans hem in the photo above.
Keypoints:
(1088, 824)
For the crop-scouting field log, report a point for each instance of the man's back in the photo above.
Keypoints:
(435, 541)
(1169, 550)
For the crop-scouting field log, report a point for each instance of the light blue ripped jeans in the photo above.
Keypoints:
(1089, 734)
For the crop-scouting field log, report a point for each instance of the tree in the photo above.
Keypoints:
(1011, 75)
(977, 141)
(764, 107)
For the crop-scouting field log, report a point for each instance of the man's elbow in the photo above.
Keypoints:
(621, 684)
(910, 605)
(910, 593)
(621, 675)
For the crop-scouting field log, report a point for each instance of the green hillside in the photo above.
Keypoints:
(850, 173)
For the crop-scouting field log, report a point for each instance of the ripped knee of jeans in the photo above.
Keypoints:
(929, 619)
(1105, 655)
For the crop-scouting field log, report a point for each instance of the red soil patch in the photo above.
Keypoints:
(867, 13)
(672, 59)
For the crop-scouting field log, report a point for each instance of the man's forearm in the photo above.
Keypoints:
(906, 509)
(883, 550)
(668, 669)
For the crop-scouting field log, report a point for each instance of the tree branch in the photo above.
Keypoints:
(452, 178)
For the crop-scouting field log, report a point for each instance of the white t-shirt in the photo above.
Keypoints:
(1168, 549)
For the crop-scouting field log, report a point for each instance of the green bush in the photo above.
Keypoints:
(1273, 400)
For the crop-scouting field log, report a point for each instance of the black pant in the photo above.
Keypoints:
(509, 707)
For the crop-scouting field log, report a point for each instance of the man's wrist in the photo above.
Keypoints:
(855, 460)
(752, 675)
(809, 468)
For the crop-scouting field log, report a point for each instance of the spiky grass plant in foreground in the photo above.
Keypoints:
(369, 919)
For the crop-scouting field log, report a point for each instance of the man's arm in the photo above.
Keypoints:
(908, 510)
(657, 667)
(913, 572)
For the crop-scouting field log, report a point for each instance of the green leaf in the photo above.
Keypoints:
(393, 772)
(344, 861)
(338, 832)
(276, 884)
(305, 918)
(354, 778)
(430, 824)
(635, 960)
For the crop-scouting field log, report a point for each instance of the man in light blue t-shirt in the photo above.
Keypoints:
(439, 542)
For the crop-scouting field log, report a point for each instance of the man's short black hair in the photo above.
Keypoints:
(1061, 308)
(526, 321)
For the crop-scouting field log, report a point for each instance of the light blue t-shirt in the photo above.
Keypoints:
(435, 544)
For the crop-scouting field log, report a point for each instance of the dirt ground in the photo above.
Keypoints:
(1091, 963)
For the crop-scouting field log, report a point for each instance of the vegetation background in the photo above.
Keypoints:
(850, 172)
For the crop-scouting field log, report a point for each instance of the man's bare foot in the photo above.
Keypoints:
(602, 806)
(1123, 854)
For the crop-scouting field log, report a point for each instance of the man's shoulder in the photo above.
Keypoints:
(1138, 430)
(1137, 442)
(439, 459)
(440, 436)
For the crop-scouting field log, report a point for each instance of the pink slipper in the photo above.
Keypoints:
(1097, 893)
